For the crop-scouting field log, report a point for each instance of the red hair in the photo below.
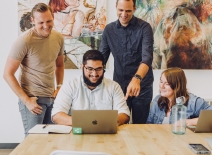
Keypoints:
(57, 5)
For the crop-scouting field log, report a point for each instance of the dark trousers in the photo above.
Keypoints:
(140, 105)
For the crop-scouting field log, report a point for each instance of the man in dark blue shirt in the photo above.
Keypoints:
(131, 42)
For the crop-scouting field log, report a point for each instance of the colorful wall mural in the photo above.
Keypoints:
(81, 22)
(182, 32)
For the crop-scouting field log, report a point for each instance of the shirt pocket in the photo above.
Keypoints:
(104, 105)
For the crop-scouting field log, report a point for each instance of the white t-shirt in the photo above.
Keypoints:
(165, 120)
(76, 95)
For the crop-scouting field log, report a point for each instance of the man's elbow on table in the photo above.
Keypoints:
(123, 118)
(62, 118)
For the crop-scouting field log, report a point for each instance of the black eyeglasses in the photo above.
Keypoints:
(90, 69)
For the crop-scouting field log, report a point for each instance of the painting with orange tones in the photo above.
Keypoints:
(81, 22)
(182, 32)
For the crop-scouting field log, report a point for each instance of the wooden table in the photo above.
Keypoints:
(131, 139)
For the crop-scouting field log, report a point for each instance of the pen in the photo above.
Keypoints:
(45, 126)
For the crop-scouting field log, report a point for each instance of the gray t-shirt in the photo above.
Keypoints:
(38, 58)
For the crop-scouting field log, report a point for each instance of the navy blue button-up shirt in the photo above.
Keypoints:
(130, 46)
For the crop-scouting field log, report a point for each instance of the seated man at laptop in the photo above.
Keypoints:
(172, 85)
(90, 91)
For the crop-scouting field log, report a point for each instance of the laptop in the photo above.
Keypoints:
(204, 123)
(94, 121)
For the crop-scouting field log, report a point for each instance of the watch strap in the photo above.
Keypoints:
(138, 77)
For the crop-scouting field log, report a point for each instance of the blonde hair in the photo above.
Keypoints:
(41, 7)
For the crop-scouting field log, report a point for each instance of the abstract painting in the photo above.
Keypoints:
(182, 32)
(81, 22)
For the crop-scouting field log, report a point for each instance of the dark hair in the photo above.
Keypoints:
(41, 7)
(177, 80)
(134, 1)
(93, 55)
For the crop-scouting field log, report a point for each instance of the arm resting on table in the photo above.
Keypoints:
(123, 118)
(62, 118)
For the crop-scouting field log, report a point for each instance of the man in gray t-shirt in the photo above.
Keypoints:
(39, 53)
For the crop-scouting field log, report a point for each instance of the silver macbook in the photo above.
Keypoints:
(94, 121)
(204, 123)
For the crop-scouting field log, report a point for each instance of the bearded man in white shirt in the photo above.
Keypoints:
(90, 91)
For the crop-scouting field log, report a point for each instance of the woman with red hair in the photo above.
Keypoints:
(172, 85)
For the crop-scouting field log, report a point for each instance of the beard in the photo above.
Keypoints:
(89, 83)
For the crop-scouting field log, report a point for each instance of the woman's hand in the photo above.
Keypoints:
(191, 122)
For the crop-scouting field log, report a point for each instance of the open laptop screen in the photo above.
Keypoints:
(95, 121)
(204, 123)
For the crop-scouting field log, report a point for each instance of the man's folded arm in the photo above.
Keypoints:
(123, 118)
(62, 118)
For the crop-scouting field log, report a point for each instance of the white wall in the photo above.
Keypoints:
(11, 129)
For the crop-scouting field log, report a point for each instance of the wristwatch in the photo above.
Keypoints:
(59, 85)
(138, 77)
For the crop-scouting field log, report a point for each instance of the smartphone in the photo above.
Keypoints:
(199, 149)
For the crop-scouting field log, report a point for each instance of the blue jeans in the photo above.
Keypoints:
(140, 105)
(30, 120)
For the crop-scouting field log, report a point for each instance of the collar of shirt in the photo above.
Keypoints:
(38, 35)
(131, 22)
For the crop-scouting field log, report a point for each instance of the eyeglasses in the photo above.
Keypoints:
(90, 69)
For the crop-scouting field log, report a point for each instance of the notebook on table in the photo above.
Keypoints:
(50, 128)
(94, 121)
(204, 123)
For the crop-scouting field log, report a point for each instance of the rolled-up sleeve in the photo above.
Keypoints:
(63, 100)
(201, 104)
(119, 102)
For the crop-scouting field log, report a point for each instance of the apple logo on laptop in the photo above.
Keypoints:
(94, 122)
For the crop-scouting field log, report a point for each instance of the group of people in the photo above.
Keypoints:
(39, 53)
